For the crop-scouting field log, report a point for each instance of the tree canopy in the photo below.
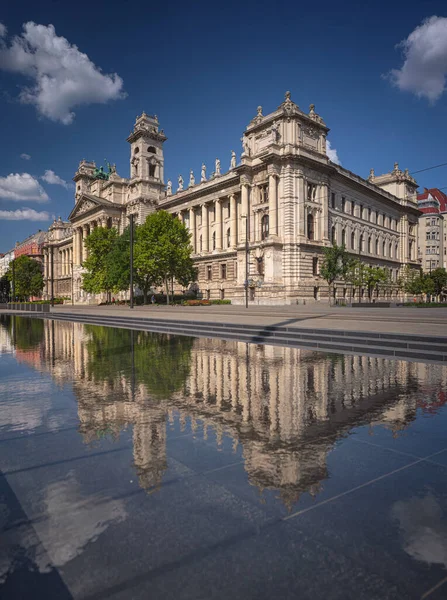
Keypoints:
(335, 264)
(163, 252)
(99, 244)
(28, 278)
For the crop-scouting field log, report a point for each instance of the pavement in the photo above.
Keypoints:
(418, 321)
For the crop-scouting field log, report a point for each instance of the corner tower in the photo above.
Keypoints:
(146, 183)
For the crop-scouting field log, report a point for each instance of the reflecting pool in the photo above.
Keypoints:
(144, 465)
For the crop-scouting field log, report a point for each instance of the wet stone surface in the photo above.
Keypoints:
(142, 465)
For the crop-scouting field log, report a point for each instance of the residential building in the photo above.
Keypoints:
(432, 238)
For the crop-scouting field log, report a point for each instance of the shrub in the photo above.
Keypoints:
(196, 303)
(225, 301)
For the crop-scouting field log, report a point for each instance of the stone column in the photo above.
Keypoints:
(233, 221)
(192, 228)
(273, 208)
(244, 210)
(218, 209)
(301, 210)
(205, 231)
(324, 195)
(84, 238)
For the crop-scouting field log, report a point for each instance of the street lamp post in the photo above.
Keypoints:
(131, 218)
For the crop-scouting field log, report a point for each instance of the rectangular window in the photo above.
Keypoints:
(223, 271)
(333, 200)
(361, 211)
(209, 272)
(343, 204)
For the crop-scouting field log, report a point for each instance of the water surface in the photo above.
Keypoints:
(146, 465)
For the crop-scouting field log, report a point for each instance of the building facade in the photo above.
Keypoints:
(432, 242)
(261, 224)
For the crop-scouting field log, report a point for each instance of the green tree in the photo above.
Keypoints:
(336, 263)
(439, 279)
(373, 277)
(28, 278)
(411, 281)
(5, 289)
(99, 244)
(163, 253)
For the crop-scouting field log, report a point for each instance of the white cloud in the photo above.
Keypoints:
(3, 30)
(425, 66)
(50, 177)
(332, 153)
(25, 156)
(63, 77)
(22, 186)
(25, 214)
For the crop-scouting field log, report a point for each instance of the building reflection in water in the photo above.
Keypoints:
(286, 407)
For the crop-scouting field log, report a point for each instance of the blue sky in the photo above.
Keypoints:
(203, 68)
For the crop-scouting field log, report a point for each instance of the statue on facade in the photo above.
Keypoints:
(192, 180)
(169, 188)
(275, 133)
(233, 160)
(180, 183)
(203, 173)
(217, 167)
(245, 146)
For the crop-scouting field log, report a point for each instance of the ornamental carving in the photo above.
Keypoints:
(311, 132)
(85, 206)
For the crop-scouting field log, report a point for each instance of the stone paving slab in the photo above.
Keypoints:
(430, 322)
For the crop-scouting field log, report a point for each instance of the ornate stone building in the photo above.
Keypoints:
(284, 195)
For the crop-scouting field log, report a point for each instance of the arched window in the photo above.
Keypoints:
(264, 227)
(333, 235)
(228, 237)
(377, 247)
(315, 265)
(310, 227)
(369, 245)
(136, 150)
(362, 243)
(396, 251)
(353, 241)
(390, 250)
(343, 237)
(384, 249)
(214, 240)
(152, 149)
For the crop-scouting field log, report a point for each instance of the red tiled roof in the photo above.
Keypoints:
(438, 195)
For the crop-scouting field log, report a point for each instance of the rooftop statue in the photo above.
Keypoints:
(100, 174)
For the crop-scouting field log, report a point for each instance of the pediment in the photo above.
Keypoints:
(85, 204)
